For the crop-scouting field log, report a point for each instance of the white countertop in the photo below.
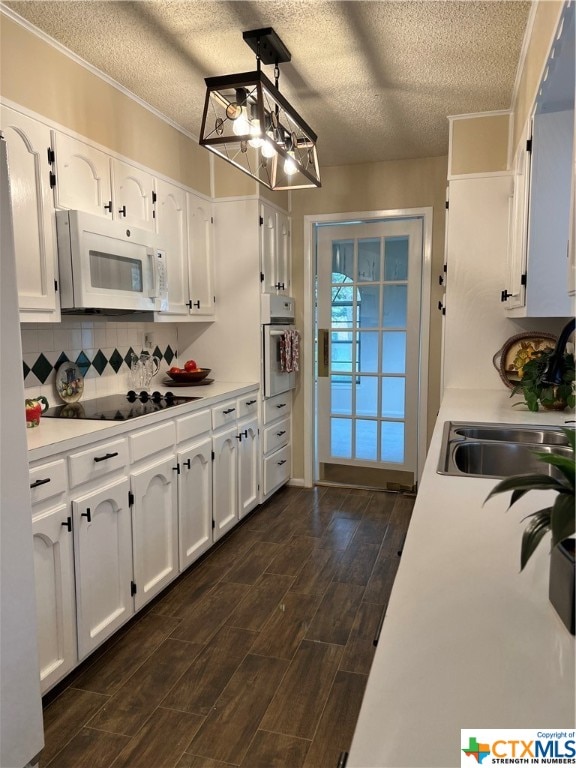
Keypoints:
(468, 641)
(49, 437)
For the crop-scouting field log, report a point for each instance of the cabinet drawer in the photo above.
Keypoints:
(97, 462)
(224, 414)
(247, 405)
(275, 407)
(47, 480)
(191, 426)
(152, 440)
(276, 435)
(277, 469)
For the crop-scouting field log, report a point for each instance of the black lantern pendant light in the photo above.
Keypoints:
(250, 124)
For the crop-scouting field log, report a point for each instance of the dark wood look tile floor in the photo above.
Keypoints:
(256, 657)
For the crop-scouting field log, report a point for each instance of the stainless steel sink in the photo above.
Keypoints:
(514, 434)
(499, 450)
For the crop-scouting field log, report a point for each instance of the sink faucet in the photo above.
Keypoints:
(555, 368)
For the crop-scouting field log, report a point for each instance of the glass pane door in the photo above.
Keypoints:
(368, 308)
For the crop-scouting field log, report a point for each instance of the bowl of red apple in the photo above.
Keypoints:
(189, 373)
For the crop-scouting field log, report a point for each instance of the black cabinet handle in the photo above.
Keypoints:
(108, 456)
(87, 515)
(251, 402)
(280, 286)
(68, 524)
(228, 410)
(108, 206)
(504, 296)
(281, 405)
(196, 304)
(36, 483)
(123, 210)
(187, 463)
(177, 469)
(440, 279)
(279, 434)
(281, 462)
(242, 434)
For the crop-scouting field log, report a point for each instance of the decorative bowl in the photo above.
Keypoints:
(189, 376)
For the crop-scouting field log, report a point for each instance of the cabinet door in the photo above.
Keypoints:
(103, 559)
(225, 481)
(154, 528)
(515, 291)
(268, 249)
(248, 467)
(201, 256)
(54, 576)
(133, 193)
(28, 142)
(172, 228)
(283, 253)
(82, 176)
(195, 501)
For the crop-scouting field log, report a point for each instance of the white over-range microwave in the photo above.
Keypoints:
(107, 266)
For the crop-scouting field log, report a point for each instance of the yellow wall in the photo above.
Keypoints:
(479, 143)
(37, 76)
(545, 22)
(372, 187)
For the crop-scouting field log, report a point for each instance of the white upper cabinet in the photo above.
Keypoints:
(275, 259)
(28, 145)
(172, 225)
(133, 195)
(201, 256)
(82, 176)
(540, 255)
(514, 294)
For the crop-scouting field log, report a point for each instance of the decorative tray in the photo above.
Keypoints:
(514, 353)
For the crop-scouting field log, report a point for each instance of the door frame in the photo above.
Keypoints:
(308, 379)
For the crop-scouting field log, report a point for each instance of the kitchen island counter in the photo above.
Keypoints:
(468, 640)
(55, 435)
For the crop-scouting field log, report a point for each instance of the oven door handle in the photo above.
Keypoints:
(277, 333)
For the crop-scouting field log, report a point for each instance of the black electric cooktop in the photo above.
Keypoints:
(117, 407)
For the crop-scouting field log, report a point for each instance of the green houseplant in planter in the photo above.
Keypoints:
(537, 391)
(559, 519)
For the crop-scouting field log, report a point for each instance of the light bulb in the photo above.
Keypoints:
(289, 165)
(268, 149)
(256, 140)
(241, 126)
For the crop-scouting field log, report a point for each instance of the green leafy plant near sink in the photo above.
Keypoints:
(559, 518)
(536, 392)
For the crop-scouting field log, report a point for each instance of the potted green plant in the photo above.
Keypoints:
(537, 391)
(559, 519)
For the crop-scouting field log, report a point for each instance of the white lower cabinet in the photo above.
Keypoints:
(277, 450)
(195, 501)
(55, 608)
(225, 481)
(154, 528)
(114, 522)
(103, 563)
(248, 461)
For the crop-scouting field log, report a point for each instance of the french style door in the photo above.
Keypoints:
(368, 331)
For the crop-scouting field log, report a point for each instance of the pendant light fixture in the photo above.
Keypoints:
(249, 123)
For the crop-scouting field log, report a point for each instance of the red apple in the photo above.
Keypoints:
(190, 365)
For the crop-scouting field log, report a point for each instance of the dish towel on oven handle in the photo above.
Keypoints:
(290, 351)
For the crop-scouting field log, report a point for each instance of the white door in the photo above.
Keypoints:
(248, 463)
(103, 559)
(368, 316)
(82, 176)
(28, 142)
(201, 256)
(225, 481)
(195, 501)
(133, 195)
(54, 578)
(172, 228)
(154, 528)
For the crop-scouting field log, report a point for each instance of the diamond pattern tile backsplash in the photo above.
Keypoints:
(102, 350)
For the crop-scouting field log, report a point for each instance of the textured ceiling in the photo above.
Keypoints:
(375, 80)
